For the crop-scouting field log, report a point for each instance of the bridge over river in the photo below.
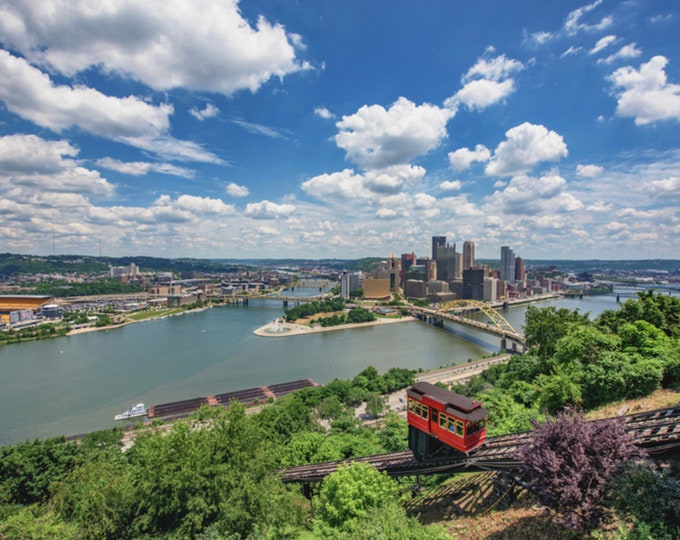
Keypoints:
(455, 312)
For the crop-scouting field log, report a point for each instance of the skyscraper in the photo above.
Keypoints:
(468, 255)
(520, 273)
(507, 264)
(437, 241)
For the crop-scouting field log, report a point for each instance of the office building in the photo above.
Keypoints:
(446, 262)
(507, 264)
(468, 255)
(520, 273)
(437, 242)
(473, 284)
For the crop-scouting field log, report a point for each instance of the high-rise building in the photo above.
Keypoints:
(468, 255)
(407, 259)
(446, 262)
(394, 271)
(507, 264)
(473, 284)
(437, 242)
(520, 273)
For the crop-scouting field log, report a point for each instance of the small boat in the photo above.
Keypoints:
(137, 410)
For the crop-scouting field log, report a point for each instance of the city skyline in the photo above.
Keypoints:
(314, 130)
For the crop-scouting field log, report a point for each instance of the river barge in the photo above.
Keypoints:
(248, 397)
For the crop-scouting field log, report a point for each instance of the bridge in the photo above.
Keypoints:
(454, 311)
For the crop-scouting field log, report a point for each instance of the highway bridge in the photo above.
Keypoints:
(455, 310)
(657, 432)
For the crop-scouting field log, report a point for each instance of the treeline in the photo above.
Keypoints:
(354, 315)
(15, 264)
(214, 476)
(60, 288)
(576, 362)
(308, 309)
(41, 331)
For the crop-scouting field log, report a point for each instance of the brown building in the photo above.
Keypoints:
(21, 302)
(377, 289)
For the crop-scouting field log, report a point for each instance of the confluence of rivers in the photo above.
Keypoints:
(76, 384)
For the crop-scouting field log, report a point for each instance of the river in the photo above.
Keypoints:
(76, 384)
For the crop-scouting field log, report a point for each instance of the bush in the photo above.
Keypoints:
(570, 462)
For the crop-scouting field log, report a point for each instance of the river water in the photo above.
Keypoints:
(76, 384)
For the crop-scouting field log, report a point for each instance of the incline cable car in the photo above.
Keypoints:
(441, 422)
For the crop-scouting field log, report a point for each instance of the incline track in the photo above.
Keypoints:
(658, 432)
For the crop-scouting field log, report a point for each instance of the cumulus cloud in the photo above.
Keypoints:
(208, 111)
(589, 171)
(666, 188)
(525, 146)
(451, 185)
(486, 83)
(338, 185)
(459, 206)
(527, 195)
(324, 113)
(30, 161)
(392, 179)
(156, 42)
(268, 210)
(645, 94)
(235, 190)
(462, 158)
(31, 94)
(141, 168)
(375, 137)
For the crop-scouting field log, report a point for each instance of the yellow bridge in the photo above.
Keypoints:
(455, 311)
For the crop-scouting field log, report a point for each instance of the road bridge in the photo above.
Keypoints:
(454, 311)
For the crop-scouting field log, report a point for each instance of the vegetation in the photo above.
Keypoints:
(570, 462)
(41, 331)
(355, 315)
(312, 308)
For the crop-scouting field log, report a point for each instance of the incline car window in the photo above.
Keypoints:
(418, 408)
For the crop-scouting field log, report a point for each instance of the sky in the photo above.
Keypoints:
(320, 129)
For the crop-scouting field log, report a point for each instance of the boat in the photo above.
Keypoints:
(137, 410)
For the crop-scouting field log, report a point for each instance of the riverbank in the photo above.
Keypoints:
(279, 329)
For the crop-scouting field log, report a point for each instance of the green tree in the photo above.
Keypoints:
(309, 447)
(33, 523)
(375, 404)
(351, 492)
(544, 326)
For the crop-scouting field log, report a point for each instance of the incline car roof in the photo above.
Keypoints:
(453, 403)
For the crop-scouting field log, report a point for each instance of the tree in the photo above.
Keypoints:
(375, 404)
(570, 462)
(544, 326)
(350, 492)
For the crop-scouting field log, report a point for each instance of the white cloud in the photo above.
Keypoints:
(140, 168)
(645, 94)
(208, 111)
(375, 137)
(528, 195)
(667, 188)
(600, 206)
(482, 93)
(203, 205)
(32, 162)
(571, 51)
(540, 38)
(624, 53)
(486, 83)
(462, 158)
(602, 44)
(156, 42)
(574, 25)
(392, 179)
(260, 129)
(324, 113)
(29, 93)
(235, 190)
(459, 206)
(339, 185)
(451, 185)
(526, 146)
(589, 171)
(268, 210)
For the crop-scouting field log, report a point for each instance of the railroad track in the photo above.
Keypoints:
(658, 432)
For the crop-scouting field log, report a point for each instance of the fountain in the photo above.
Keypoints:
(277, 328)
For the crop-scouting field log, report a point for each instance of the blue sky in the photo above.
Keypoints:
(318, 129)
